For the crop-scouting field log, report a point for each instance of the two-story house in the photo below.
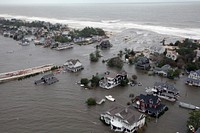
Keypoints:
(142, 63)
(193, 78)
(149, 104)
(73, 65)
(123, 119)
(111, 80)
(172, 55)
(47, 79)
(166, 91)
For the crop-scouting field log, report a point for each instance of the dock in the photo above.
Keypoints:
(8, 76)
(102, 101)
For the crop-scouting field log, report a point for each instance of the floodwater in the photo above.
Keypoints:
(61, 108)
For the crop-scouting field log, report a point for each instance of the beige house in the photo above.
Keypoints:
(172, 55)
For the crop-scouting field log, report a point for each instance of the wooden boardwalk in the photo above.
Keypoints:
(8, 76)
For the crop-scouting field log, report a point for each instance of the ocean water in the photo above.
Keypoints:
(61, 108)
(178, 19)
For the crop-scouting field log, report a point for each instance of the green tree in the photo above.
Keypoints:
(95, 81)
(93, 57)
(91, 101)
(100, 32)
(191, 67)
(97, 53)
(173, 73)
(134, 77)
(84, 81)
(124, 82)
(194, 119)
(115, 62)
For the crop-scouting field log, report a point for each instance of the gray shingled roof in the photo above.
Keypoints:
(197, 71)
(127, 114)
(73, 61)
(164, 68)
(162, 86)
(147, 98)
(47, 79)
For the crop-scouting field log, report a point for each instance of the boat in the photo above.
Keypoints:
(110, 98)
(188, 106)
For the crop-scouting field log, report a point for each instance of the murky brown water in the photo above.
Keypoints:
(61, 108)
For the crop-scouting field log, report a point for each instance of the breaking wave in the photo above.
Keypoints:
(117, 26)
(110, 21)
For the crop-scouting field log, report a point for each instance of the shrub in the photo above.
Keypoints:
(91, 101)
(84, 81)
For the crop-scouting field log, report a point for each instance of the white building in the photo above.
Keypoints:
(123, 119)
(172, 55)
(194, 78)
(111, 80)
(73, 65)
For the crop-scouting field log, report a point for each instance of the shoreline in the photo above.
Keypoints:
(118, 26)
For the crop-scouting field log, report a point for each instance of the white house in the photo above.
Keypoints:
(111, 80)
(194, 78)
(73, 65)
(172, 55)
(123, 119)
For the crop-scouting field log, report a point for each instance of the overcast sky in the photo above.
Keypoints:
(82, 1)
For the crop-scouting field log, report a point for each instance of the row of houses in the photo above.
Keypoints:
(44, 33)
(110, 80)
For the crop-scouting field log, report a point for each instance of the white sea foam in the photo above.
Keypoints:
(111, 21)
(117, 26)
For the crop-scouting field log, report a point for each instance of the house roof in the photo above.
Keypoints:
(197, 71)
(105, 44)
(73, 61)
(147, 98)
(115, 109)
(154, 100)
(164, 68)
(126, 114)
(113, 75)
(165, 86)
(48, 76)
(129, 115)
(50, 81)
(142, 60)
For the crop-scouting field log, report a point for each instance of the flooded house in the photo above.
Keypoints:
(193, 78)
(150, 105)
(123, 119)
(142, 63)
(111, 80)
(73, 65)
(47, 79)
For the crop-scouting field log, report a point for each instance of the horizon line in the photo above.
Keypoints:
(151, 2)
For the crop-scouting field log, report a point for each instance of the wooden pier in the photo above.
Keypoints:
(8, 76)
